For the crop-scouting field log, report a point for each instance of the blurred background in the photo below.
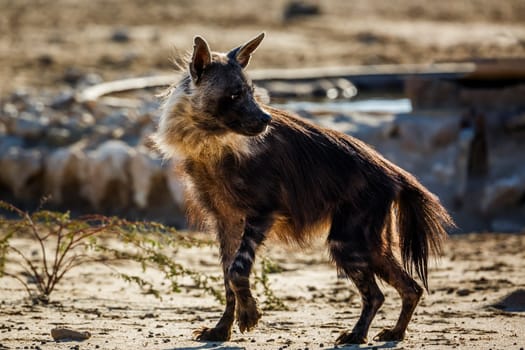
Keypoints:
(437, 87)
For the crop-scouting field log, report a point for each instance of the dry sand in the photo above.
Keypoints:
(476, 272)
(40, 41)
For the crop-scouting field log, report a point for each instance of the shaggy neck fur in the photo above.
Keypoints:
(179, 135)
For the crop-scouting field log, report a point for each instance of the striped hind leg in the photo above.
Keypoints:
(353, 235)
(391, 271)
(356, 267)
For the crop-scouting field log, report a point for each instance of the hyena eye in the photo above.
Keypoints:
(235, 96)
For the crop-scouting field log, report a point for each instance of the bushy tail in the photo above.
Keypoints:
(422, 224)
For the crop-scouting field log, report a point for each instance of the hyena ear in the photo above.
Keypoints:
(200, 58)
(244, 52)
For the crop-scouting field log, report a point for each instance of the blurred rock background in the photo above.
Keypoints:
(462, 137)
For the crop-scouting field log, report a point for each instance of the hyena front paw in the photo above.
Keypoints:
(348, 337)
(248, 315)
(388, 334)
(212, 334)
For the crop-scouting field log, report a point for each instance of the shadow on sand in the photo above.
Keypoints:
(219, 345)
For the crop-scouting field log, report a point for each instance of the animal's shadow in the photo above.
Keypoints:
(386, 345)
(210, 345)
(218, 345)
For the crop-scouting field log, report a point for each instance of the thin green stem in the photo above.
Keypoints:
(40, 241)
(26, 286)
(35, 274)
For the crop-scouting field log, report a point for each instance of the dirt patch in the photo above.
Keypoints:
(52, 44)
(118, 316)
(49, 43)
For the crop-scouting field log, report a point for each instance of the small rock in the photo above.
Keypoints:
(296, 9)
(102, 131)
(348, 90)
(9, 110)
(368, 38)
(45, 60)
(149, 315)
(63, 100)
(120, 35)
(86, 119)
(58, 136)
(144, 171)
(18, 167)
(109, 165)
(324, 89)
(73, 75)
(463, 292)
(61, 168)
(66, 333)
(28, 126)
(35, 108)
(19, 95)
(92, 79)
(119, 118)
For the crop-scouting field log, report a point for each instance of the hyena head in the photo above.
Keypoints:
(213, 108)
(222, 95)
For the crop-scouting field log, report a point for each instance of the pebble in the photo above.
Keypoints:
(296, 9)
(26, 125)
(120, 35)
(10, 110)
(73, 75)
(63, 100)
(58, 136)
(45, 59)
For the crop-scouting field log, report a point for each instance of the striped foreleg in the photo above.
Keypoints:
(247, 312)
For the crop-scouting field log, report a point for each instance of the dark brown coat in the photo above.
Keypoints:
(252, 170)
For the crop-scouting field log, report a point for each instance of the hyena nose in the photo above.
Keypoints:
(265, 118)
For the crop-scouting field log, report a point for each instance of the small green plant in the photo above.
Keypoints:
(65, 243)
(271, 302)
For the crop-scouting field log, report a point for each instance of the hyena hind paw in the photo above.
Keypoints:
(388, 334)
(348, 337)
(212, 334)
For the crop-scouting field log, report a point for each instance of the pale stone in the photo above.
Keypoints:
(18, 166)
(104, 166)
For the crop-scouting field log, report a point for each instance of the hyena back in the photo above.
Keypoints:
(251, 170)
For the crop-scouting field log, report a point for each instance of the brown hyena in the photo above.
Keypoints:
(251, 170)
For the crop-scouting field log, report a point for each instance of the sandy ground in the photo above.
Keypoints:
(43, 42)
(477, 271)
